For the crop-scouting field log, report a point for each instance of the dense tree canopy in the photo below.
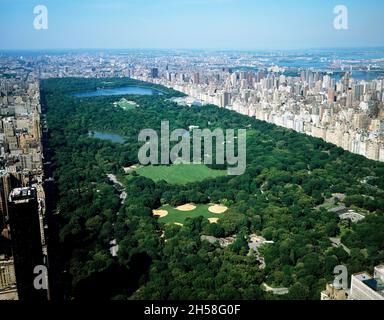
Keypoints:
(288, 176)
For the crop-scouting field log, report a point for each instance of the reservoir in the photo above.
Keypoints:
(119, 91)
(106, 136)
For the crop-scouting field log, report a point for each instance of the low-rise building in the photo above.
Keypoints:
(366, 287)
(332, 292)
(7, 273)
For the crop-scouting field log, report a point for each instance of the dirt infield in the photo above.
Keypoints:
(217, 208)
(186, 207)
(160, 213)
(213, 220)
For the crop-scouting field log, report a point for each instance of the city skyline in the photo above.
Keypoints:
(184, 24)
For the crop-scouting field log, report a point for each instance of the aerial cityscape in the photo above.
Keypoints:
(118, 153)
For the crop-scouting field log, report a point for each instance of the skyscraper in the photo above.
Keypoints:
(5, 187)
(225, 99)
(154, 73)
(357, 90)
(26, 242)
(196, 78)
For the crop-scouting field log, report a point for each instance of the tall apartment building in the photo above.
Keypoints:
(5, 188)
(196, 78)
(225, 99)
(26, 241)
(154, 73)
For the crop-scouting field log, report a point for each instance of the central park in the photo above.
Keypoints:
(160, 219)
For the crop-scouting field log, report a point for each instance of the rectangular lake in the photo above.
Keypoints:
(119, 91)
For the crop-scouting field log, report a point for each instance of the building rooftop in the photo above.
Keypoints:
(22, 194)
(338, 210)
(380, 268)
(363, 276)
(375, 284)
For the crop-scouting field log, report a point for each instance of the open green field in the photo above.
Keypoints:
(178, 216)
(180, 173)
(125, 105)
(327, 205)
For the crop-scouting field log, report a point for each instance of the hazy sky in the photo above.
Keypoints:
(210, 24)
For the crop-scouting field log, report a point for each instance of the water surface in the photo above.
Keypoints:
(119, 91)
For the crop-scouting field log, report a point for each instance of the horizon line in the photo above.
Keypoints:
(196, 49)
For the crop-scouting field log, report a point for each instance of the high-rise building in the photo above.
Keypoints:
(331, 95)
(5, 188)
(327, 82)
(379, 273)
(26, 241)
(181, 77)
(154, 73)
(196, 78)
(234, 79)
(225, 99)
(346, 79)
(357, 90)
(349, 98)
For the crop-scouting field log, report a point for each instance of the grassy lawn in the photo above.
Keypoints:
(175, 215)
(180, 173)
(328, 205)
(126, 105)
